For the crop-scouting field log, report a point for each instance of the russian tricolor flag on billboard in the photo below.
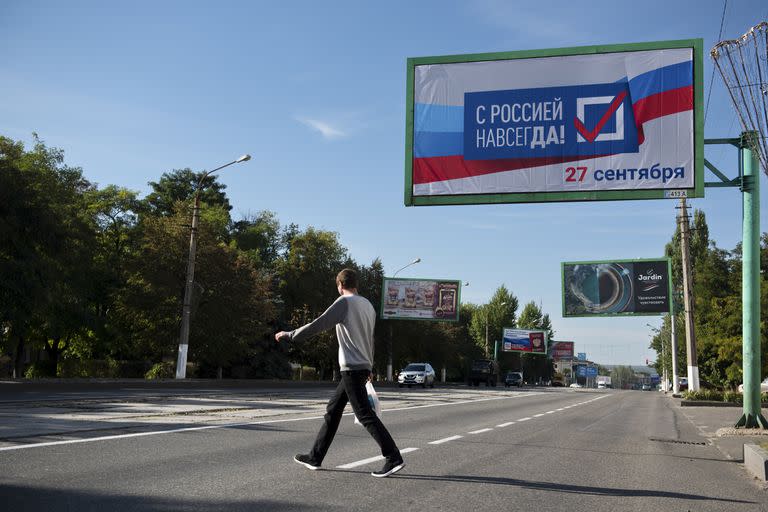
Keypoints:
(587, 123)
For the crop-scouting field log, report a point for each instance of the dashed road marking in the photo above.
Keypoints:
(371, 459)
(481, 431)
(445, 440)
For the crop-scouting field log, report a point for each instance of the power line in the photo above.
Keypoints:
(712, 78)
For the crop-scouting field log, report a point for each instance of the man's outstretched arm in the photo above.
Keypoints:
(332, 316)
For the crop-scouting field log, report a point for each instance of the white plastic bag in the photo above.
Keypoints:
(373, 399)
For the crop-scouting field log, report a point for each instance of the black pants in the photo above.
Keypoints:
(352, 389)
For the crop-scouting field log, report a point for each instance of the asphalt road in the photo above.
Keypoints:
(467, 449)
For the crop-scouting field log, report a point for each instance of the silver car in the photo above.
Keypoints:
(417, 374)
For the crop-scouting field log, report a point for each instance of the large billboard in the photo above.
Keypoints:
(520, 340)
(625, 287)
(570, 124)
(562, 350)
(420, 299)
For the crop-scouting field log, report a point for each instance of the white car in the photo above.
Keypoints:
(763, 386)
(417, 374)
(576, 385)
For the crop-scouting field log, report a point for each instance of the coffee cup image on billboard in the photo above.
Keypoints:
(598, 289)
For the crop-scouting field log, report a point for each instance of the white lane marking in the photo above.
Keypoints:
(506, 424)
(445, 440)
(461, 402)
(538, 415)
(550, 412)
(371, 459)
(524, 419)
(232, 425)
(560, 409)
(482, 430)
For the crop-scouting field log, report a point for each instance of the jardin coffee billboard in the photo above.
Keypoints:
(628, 287)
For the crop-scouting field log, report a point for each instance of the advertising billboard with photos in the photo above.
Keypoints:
(562, 350)
(520, 340)
(420, 299)
(568, 124)
(624, 287)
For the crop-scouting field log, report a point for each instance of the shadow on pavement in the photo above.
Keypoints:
(567, 488)
(18, 498)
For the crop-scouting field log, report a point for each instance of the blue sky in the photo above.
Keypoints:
(315, 91)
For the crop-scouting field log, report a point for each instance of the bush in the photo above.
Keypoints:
(704, 394)
(164, 370)
(40, 370)
(733, 396)
(102, 368)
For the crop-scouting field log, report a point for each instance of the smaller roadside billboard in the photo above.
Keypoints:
(420, 299)
(520, 340)
(562, 349)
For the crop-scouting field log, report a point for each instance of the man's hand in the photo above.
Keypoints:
(282, 335)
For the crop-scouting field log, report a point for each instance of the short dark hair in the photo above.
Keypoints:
(347, 278)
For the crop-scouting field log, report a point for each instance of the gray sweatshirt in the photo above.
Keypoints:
(354, 318)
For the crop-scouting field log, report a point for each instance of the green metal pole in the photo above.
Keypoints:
(751, 417)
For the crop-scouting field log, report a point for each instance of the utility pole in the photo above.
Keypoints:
(675, 380)
(690, 334)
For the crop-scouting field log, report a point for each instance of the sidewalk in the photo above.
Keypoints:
(716, 424)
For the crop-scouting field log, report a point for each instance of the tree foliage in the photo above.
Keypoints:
(92, 282)
(717, 288)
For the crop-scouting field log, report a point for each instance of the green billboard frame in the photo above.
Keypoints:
(637, 260)
(697, 45)
(384, 296)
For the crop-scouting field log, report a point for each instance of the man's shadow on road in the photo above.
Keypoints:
(564, 488)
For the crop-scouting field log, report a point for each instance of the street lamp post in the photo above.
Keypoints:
(391, 328)
(664, 376)
(181, 362)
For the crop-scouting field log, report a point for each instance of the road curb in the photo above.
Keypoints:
(756, 461)
(713, 403)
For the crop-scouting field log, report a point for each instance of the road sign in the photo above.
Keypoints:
(581, 356)
(586, 371)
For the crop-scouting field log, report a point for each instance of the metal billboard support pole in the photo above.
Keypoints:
(751, 417)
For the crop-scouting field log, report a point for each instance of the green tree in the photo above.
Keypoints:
(307, 287)
(500, 312)
(45, 245)
(622, 377)
(231, 306)
(259, 237)
(536, 367)
(180, 185)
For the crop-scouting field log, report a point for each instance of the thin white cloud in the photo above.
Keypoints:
(326, 129)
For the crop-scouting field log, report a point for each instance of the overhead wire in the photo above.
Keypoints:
(712, 78)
